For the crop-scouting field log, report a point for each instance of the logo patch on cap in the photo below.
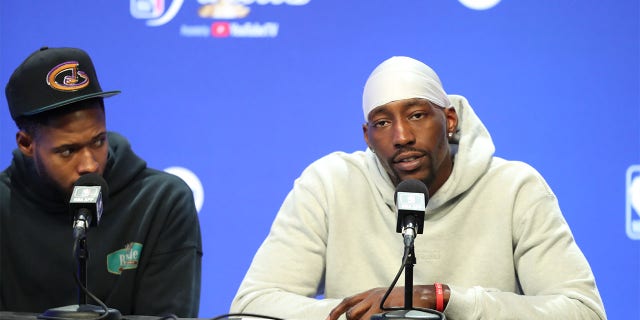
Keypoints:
(67, 77)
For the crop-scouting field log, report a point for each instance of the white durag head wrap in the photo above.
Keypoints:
(399, 78)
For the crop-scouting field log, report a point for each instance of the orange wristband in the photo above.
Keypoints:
(439, 297)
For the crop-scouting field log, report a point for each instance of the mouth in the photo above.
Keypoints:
(408, 161)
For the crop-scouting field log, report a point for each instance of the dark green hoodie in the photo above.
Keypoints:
(144, 256)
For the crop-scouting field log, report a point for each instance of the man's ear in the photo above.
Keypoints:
(452, 119)
(25, 143)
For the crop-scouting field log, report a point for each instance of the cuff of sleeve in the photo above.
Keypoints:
(462, 303)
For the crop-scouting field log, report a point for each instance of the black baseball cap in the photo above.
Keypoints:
(51, 78)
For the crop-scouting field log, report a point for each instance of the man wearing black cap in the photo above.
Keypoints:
(145, 254)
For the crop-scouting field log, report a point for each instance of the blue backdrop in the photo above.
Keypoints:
(244, 94)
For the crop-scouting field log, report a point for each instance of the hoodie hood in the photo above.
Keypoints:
(123, 165)
(472, 152)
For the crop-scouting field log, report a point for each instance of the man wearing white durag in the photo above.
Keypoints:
(495, 243)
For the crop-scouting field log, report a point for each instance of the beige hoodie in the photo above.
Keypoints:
(493, 232)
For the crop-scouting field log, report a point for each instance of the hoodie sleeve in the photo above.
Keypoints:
(554, 275)
(171, 268)
(288, 268)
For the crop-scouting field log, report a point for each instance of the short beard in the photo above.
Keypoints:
(395, 176)
(57, 191)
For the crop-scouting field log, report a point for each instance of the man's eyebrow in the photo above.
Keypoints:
(66, 146)
(100, 135)
(77, 145)
(378, 110)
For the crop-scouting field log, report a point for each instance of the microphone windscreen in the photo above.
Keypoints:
(93, 179)
(410, 203)
(412, 186)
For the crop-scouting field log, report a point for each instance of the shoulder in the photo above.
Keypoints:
(5, 186)
(5, 179)
(337, 164)
(165, 194)
(522, 187)
(519, 172)
(337, 174)
(340, 160)
(164, 180)
(154, 187)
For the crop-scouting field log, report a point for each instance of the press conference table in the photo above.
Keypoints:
(8, 315)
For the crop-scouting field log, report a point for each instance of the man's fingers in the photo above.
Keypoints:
(355, 306)
(345, 305)
(337, 311)
(356, 312)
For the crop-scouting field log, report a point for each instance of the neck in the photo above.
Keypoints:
(441, 176)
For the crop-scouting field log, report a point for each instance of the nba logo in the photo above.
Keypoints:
(633, 202)
(146, 9)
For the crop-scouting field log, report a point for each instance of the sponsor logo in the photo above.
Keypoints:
(225, 29)
(146, 9)
(220, 29)
(479, 4)
(67, 77)
(633, 202)
(411, 201)
(224, 9)
(156, 13)
(124, 259)
(83, 194)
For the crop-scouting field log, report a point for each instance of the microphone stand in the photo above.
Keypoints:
(82, 310)
(409, 312)
(82, 254)
(408, 279)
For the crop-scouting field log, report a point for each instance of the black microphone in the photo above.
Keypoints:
(411, 199)
(89, 192)
(86, 202)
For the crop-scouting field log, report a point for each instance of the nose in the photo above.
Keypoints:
(87, 162)
(403, 134)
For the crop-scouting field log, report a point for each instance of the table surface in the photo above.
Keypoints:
(9, 315)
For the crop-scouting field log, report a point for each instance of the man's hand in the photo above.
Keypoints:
(363, 305)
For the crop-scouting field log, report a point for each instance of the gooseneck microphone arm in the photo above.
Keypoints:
(82, 222)
(410, 261)
(80, 250)
(81, 253)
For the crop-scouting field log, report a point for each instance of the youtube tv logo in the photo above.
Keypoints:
(220, 29)
(226, 29)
